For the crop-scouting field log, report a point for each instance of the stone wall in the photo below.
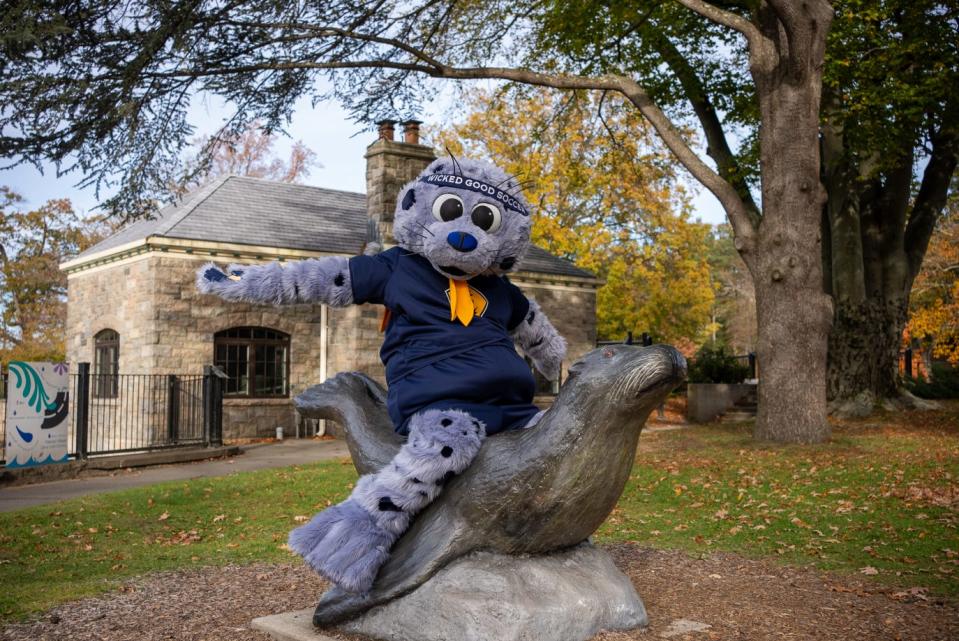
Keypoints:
(118, 297)
(572, 310)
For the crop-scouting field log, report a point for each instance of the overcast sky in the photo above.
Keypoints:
(326, 129)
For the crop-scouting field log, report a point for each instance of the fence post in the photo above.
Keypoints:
(218, 410)
(82, 410)
(752, 365)
(173, 408)
(212, 407)
(207, 404)
(908, 363)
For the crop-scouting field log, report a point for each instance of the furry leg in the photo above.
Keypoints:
(347, 543)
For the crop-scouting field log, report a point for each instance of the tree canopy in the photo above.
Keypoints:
(33, 290)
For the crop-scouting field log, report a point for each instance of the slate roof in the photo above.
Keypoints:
(250, 211)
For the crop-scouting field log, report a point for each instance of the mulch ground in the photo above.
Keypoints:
(737, 598)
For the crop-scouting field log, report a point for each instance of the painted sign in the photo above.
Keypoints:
(37, 412)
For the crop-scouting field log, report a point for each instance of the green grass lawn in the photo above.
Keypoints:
(882, 499)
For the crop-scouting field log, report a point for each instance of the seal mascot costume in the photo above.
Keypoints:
(452, 321)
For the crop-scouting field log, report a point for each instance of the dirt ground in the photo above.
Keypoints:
(725, 596)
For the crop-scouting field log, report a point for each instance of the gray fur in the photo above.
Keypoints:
(348, 542)
(315, 280)
(541, 342)
(417, 230)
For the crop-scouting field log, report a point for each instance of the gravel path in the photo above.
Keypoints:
(736, 598)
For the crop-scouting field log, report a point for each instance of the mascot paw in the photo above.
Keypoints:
(345, 544)
(210, 278)
(214, 275)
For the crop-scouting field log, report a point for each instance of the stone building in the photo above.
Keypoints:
(133, 307)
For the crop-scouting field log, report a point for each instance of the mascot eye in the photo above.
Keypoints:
(486, 217)
(447, 207)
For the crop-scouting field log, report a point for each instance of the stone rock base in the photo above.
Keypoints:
(566, 596)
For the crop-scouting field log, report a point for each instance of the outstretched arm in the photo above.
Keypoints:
(316, 280)
(541, 342)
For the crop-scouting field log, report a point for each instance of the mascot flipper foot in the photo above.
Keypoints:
(349, 542)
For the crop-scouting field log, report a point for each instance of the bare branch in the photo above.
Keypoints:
(321, 31)
(739, 217)
(725, 18)
(931, 198)
(717, 144)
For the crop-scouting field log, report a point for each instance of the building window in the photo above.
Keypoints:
(256, 359)
(106, 363)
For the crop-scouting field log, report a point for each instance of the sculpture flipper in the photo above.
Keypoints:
(358, 404)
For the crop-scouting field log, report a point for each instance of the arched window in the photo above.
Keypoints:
(256, 359)
(106, 363)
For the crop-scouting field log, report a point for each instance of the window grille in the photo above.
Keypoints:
(256, 359)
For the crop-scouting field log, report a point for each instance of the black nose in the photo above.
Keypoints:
(461, 241)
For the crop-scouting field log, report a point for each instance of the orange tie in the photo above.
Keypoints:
(461, 303)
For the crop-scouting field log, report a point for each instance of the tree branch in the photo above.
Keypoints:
(717, 145)
(931, 198)
(739, 217)
(725, 18)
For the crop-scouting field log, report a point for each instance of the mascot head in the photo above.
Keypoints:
(467, 217)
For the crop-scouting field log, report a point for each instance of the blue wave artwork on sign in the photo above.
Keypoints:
(37, 414)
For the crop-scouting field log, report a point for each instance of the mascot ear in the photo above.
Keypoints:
(409, 199)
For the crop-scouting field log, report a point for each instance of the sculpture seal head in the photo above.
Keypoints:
(531, 491)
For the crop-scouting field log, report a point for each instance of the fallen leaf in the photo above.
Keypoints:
(163, 517)
(869, 570)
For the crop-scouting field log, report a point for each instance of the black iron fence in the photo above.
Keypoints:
(118, 413)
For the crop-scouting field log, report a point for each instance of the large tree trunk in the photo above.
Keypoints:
(864, 349)
(793, 329)
(794, 314)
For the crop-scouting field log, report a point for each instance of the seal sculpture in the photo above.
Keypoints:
(541, 491)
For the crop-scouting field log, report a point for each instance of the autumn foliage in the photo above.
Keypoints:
(934, 306)
(32, 287)
(606, 196)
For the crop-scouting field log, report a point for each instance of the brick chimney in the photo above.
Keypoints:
(390, 164)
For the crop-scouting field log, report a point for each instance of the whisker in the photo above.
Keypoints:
(508, 178)
(428, 230)
(456, 165)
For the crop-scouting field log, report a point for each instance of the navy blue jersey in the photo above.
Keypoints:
(435, 363)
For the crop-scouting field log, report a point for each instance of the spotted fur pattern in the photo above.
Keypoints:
(347, 543)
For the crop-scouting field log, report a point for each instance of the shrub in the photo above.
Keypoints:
(715, 365)
(944, 384)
